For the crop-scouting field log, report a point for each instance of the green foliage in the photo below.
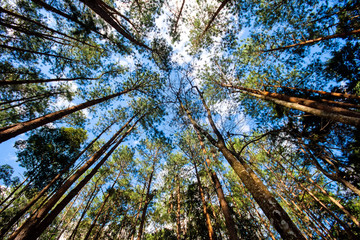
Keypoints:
(47, 152)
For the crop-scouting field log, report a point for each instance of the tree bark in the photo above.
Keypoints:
(34, 52)
(222, 5)
(346, 227)
(333, 200)
(332, 176)
(5, 83)
(89, 202)
(101, 207)
(307, 42)
(96, 6)
(230, 225)
(25, 230)
(205, 210)
(36, 230)
(178, 208)
(310, 106)
(331, 94)
(272, 209)
(38, 24)
(19, 128)
(23, 210)
(148, 199)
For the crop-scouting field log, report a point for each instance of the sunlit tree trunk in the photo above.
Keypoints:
(272, 209)
(148, 199)
(100, 211)
(19, 128)
(24, 209)
(204, 204)
(178, 208)
(230, 225)
(305, 105)
(307, 42)
(27, 230)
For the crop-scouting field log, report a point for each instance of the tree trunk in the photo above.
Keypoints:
(333, 200)
(19, 128)
(89, 202)
(148, 199)
(5, 83)
(206, 213)
(61, 13)
(178, 223)
(64, 228)
(38, 24)
(34, 52)
(339, 35)
(272, 209)
(25, 230)
(13, 192)
(222, 5)
(317, 200)
(23, 210)
(310, 106)
(137, 214)
(331, 94)
(101, 207)
(332, 176)
(230, 225)
(106, 16)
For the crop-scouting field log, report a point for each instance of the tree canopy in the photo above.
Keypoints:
(176, 119)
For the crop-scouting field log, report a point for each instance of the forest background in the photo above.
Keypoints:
(169, 119)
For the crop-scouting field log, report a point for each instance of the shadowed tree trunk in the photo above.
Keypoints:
(305, 105)
(272, 209)
(21, 212)
(230, 225)
(102, 207)
(339, 35)
(19, 128)
(148, 199)
(28, 229)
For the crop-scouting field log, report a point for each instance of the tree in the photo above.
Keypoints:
(206, 119)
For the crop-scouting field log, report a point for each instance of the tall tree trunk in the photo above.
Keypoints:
(25, 230)
(333, 200)
(19, 128)
(71, 18)
(307, 42)
(178, 17)
(148, 199)
(178, 208)
(331, 94)
(347, 228)
(310, 106)
(230, 225)
(25, 208)
(218, 10)
(93, 194)
(13, 192)
(40, 24)
(205, 210)
(98, 7)
(102, 207)
(34, 52)
(67, 223)
(138, 213)
(5, 83)
(41, 226)
(272, 209)
(333, 176)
